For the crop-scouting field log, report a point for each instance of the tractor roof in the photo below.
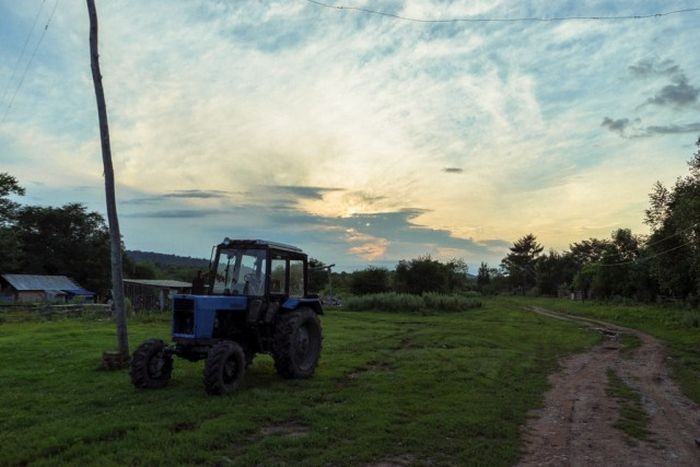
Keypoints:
(260, 244)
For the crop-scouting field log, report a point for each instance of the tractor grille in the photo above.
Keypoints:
(183, 316)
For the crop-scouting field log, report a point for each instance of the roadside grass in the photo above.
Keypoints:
(674, 326)
(452, 388)
(633, 419)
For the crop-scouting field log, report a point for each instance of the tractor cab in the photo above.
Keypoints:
(257, 268)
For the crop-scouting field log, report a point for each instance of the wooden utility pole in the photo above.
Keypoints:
(115, 237)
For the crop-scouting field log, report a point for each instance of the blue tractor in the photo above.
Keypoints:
(255, 301)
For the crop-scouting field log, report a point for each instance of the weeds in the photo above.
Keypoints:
(395, 302)
(633, 419)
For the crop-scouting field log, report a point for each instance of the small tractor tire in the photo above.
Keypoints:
(151, 366)
(224, 368)
(297, 343)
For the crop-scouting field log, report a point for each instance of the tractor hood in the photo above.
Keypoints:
(194, 315)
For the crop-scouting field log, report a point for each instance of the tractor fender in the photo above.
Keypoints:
(293, 303)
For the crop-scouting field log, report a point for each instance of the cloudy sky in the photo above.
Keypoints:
(362, 138)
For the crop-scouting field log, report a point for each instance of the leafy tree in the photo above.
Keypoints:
(318, 277)
(10, 245)
(370, 280)
(553, 270)
(520, 262)
(457, 271)
(483, 277)
(588, 251)
(424, 274)
(674, 246)
(67, 240)
(142, 271)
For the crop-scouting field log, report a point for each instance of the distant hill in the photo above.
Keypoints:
(163, 259)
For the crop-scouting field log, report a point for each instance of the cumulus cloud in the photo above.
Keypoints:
(616, 125)
(678, 94)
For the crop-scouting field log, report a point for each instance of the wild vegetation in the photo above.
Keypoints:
(374, 397)
(664, 265)
(401, 302)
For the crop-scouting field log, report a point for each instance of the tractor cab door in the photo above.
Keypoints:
(287, 276)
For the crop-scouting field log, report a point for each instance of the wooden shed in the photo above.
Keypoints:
(153, 294)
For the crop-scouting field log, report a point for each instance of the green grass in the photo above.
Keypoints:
(674, 326)
(629, 343)
(633, 419)
(450, 388)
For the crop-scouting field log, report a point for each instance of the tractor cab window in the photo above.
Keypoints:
(240, 272)
(278, 276)
(296, 278)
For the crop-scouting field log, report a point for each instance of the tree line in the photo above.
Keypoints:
(662, 265)
(416, 276)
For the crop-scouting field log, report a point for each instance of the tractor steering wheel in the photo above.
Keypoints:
(252, 283)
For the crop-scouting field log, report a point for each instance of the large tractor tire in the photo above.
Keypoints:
(224, 368)
(297, 343)
(151, 366)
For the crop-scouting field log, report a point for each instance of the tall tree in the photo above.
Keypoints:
(520, 262)
(674, 245)
(68, 240)
(10, 245)
(115, 236)
(483, 276)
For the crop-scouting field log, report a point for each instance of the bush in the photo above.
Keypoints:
(395, 302)
(370, 281)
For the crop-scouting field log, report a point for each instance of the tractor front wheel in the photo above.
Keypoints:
(151, 366)
(297, 345)
(224, 368)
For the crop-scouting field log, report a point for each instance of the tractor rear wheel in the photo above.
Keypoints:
(297, 344)
(224, 368)
(151, 366)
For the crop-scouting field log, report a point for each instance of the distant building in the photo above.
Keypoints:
(153, 294)
(36, 288)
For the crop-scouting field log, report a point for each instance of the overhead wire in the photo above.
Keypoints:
(647, 258)
(21, 54)
(675, 234)
(29, 63)
(504, 19)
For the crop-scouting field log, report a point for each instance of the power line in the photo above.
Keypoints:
(29, 63)
(675, 234)
(646, 258)
(504, 20)
(21, 55)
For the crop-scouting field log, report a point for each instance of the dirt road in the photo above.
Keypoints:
(575, 427)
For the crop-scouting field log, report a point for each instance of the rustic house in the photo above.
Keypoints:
(153, 294)
(36, 288)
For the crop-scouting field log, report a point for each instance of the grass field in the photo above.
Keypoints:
(678, 328)
(443, 388)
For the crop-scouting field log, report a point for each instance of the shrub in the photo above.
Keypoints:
(395, 302)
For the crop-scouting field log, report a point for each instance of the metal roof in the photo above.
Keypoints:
(262, 243)
(164, 283)
(38, 282)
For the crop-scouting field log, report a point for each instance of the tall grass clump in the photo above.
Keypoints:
(397, 302)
